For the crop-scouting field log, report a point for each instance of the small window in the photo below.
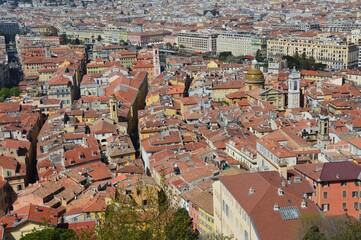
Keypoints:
(325, 194)
(343, 183)
(344, 206)
(355, 194)
(325, 207)
(8, 173)
(325, 184)
(144, 203)
(20, 187)
(355, 205)
(344, 194)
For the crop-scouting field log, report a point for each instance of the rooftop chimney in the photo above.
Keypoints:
(251, 191)
(283, 184)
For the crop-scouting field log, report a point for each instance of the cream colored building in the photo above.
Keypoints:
(240, 44)
(198, 42)
(336, 55)
(241, 153)
(260, 205)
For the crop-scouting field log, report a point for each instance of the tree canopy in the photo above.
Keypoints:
(225, 56)
(259, 56)
(51, 234)
(333, 228)
(180, 227)
(303, 62)
(6, 92)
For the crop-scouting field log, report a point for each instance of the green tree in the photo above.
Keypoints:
(4, 93)
(14, 91)
(314, 234)
(65, 38)
(180, 227)
(123, 222)
(51, 233)
(77, 41)
(303, 62)
(169, 45)
(332, 227)
(348, 230)
(259, 56)
(225, 56)
(241, 59)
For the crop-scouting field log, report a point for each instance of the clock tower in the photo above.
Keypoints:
(294, 89)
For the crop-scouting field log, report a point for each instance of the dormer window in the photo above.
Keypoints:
(297, 179)
(276, 207)
(280, 192)
(303, 204)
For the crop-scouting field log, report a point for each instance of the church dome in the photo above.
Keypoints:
(254, 75)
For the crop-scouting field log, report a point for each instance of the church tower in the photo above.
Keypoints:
(294, 89)
(254, 77)
(323, 132)
(156, 64)
(113, 108)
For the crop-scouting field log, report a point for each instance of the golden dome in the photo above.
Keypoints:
(254, 75)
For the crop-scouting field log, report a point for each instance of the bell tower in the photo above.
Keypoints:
(294, 89)
(113, 108)
(323, 137)
(156, 64)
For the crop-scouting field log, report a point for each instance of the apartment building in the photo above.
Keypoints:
(240, 44)
(336, 186)
(61, 87)
(9, 27)
(198, 42)
(283, 148)
(260, 205)
(125, 56)
(144, 38)
(335, 54)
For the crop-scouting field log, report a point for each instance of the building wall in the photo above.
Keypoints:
(239, 44)
(205, 223)
(335, 197)
(194, 214)
(334, 55)
(230, 219)
(9, 27)
(241, 156)
(198, 42)
(23, 229)
(219, 95)
(265, 158)
(61, 92)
